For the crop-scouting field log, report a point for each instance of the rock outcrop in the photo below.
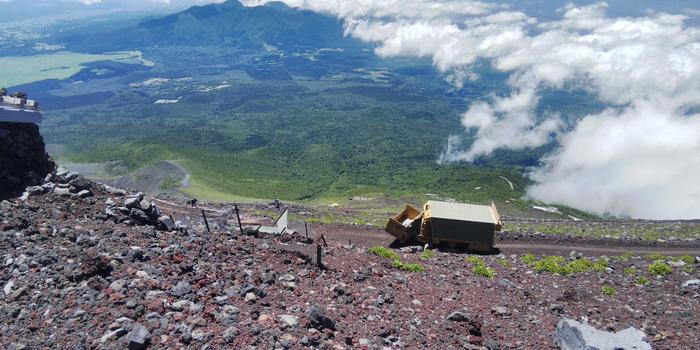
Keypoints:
(573, 335)
(23, 158)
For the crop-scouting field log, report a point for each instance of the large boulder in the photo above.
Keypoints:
(573, 335)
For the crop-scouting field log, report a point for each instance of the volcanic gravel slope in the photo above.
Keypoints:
(75, 278)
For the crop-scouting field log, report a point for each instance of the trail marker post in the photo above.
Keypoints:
(205, 221)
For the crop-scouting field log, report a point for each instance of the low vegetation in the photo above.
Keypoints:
(479, 267)
(395, 259)
(483, 271)
(427, 254)
(689, 260)
(529, 259)
(601, 265)
(659, 268)
(655, 257)
(506, 264)
(384, 252)
(558, 264)
(641, 280)
(624, 257)
(607, 290)
(410, 267)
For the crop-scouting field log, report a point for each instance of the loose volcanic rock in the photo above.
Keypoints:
(691, 284)
(139, 337)
(180, 289)
(76, 271)
(167, 222)
(318, 319)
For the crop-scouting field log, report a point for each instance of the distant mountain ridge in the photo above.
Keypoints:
(227, 24)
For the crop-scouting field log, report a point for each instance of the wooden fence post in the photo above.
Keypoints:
(205, 221)
(238, 216)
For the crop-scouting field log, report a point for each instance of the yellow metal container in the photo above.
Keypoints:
(406, 224)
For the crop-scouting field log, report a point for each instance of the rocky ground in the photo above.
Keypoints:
(88, 266)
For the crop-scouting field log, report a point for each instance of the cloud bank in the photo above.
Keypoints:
(638, 158)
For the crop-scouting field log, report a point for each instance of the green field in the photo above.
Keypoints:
(29, 69)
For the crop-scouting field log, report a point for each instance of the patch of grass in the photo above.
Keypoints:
(607, 290)
(623, 257)
(630, 271)
(484, 271)
(600, 266)
(410, 267)
(480, 268)
(641, 280)
(659, 268)
(580, 265)
(655, 257)
(427, 254)
(689, 260)
(552, 264)
(688, 269)
(473, 259)
(529, 259)
(384, 252)
(504, 263)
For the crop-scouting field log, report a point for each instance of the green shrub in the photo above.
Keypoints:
(580, 265)
(659, 268)
(641, 280)
(407, 267)
(607, 290)
(504, 263)
(384, 252)
(427, 254)
(630, 271)
(484, 271)
(529, 259)
(552, 264)
(689, 260)
(600, 266)
(688, 269)
(473, 259)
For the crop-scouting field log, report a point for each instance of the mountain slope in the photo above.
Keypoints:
(228, 24)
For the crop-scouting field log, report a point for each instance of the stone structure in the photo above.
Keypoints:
(23, 158)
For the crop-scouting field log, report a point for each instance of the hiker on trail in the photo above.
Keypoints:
(277, 203)
(194, 202)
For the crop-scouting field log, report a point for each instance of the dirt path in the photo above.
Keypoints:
(507, 243)
(512, 248)
(371, 235)
(183, 209)
(509, 182)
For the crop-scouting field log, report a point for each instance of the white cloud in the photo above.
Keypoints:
(638, 158)
(642, 161)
